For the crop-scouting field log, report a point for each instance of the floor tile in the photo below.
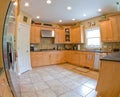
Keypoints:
(92, 94)
(70, 94)
(58, 81)
(29, 94)
(83, 90)
(91, 83)
(46, 93)
(27, 88)
(53, 83)
(40, 86)
(59, 90)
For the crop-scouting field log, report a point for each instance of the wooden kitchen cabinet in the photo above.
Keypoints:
(4, 87)
(115, 21)
(75, 58)
(47, 58)
(87, 59)
(90, 59)
(59, 36)
(83, 58)
(76, 35)
(35, 34)
(40, 59)
(109, 79)
(106, 31)
(110, 29)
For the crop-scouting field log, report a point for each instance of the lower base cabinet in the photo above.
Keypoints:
(109, 79)
(47, 58)
(85, 59)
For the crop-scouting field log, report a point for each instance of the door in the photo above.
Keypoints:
(23, 46)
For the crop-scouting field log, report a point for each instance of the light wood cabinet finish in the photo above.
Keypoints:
(110, 29)
(109, 79)
(76, 35)
(40, 59)
(4, 87)
(115, 21)
(35, 34)
(59, 36)
(106, 31)
(87, 59)
(47, 58)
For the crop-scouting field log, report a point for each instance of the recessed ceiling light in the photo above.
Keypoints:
(15, 3)
(84, 15)
(69, 8)
(48, 1)
(60, 21)
(73, 19)
(26, 4)
(99, 10)
(37, 17)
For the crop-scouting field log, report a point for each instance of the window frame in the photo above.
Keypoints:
(86, 38)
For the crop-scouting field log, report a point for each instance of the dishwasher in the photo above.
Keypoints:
(98, 56)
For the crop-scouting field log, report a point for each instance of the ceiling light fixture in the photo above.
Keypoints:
(73, 19)
(48, 1)
(84, 15)
(26, 4)
(69, 8)
(15, 3)
(99, 10)
(60, 21)
(37, 17)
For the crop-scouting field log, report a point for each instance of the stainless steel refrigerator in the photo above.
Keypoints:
(9, 50)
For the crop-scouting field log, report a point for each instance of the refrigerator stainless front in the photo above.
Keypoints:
(9, 51)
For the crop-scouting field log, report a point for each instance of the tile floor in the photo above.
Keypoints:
(58, 81)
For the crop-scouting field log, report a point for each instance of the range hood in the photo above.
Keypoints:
(47, 33)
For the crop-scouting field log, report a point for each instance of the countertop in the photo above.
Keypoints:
(96, 51)
(112, 57)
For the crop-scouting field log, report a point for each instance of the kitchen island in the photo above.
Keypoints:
(109, 76)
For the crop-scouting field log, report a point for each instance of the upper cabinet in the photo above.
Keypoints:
(35, 34)
(110, 29)
(106, 31)
(59, 35)
(76, 35)
(115, 21)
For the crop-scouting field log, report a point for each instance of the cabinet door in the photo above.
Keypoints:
(106, 31)
(56, 35)
(35, 34)
(32, 34)
(103, 31)
(90, 59)
(60, 36)
(83, 58)
(76, 58)
(53, 57)
(109, 31)
(116, 28)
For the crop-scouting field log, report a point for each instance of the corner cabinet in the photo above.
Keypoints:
(35, 34)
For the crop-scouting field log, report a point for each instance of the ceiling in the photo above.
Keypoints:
(57, 10)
